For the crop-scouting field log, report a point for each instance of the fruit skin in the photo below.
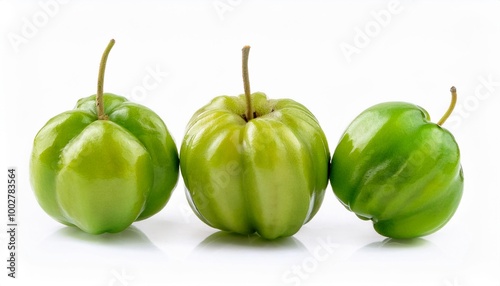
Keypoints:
(267, 175)
(102, 175)
(395, 167)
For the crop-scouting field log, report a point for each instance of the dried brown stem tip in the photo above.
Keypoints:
(453, 91)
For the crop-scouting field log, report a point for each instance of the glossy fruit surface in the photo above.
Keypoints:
(102, 172)
(266, 174)
(395, 167)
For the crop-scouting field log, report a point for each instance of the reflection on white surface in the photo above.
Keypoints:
(231, 255)
(424, 49)
(91, 258)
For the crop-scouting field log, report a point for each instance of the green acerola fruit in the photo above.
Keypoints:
(395, 167)
(103, 168)
(251, 164)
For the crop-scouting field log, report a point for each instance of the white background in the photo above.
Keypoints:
(401, 50)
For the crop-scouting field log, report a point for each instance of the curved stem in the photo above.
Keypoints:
(246, 82)
(100, 82)
(453, 91)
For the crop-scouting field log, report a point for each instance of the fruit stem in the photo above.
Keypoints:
(453, 91)
(100, 82)
(246, 82)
